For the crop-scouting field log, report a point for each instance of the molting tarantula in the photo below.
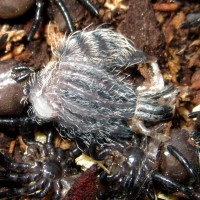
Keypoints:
(85, 95)
(83, 92)
(45, 169)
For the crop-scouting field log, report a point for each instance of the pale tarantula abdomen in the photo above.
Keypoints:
(82, 91)
(101, 47)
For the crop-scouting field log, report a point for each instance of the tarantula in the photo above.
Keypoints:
(133, 168)
(45, 169)
(83, 93)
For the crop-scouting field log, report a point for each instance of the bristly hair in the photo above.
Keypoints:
(82, 91)
(102, 47)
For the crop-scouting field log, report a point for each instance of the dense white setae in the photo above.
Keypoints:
(83, 92)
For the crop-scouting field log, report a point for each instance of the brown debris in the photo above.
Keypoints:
(166, 7)
(12, 147)
(115, 4)
(22, 145)
(63, 144)
(35, 54)
(139, 24)
(11, 48)
(194, 59)
(196, 80)
(170, 28)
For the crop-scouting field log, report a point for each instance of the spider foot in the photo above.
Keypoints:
(21, 73)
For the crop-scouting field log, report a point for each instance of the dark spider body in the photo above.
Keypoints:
(134, 170)
(45, 169)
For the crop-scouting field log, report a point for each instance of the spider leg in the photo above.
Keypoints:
(57, 192)
(158, 107)
(150, 194)
(13, 166)
(170, 185)
(90, 6)
(128, 183)
(32, 145)
(37, 20)
(179, 156)
(50, 136)
(154, 132)
(45, 191)
(24, 73)
(166, 91)
(23, 191)
(65, 14)
(154, 113)
(22, 178)
(112, 178)
(21, 121)
(194, 114)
